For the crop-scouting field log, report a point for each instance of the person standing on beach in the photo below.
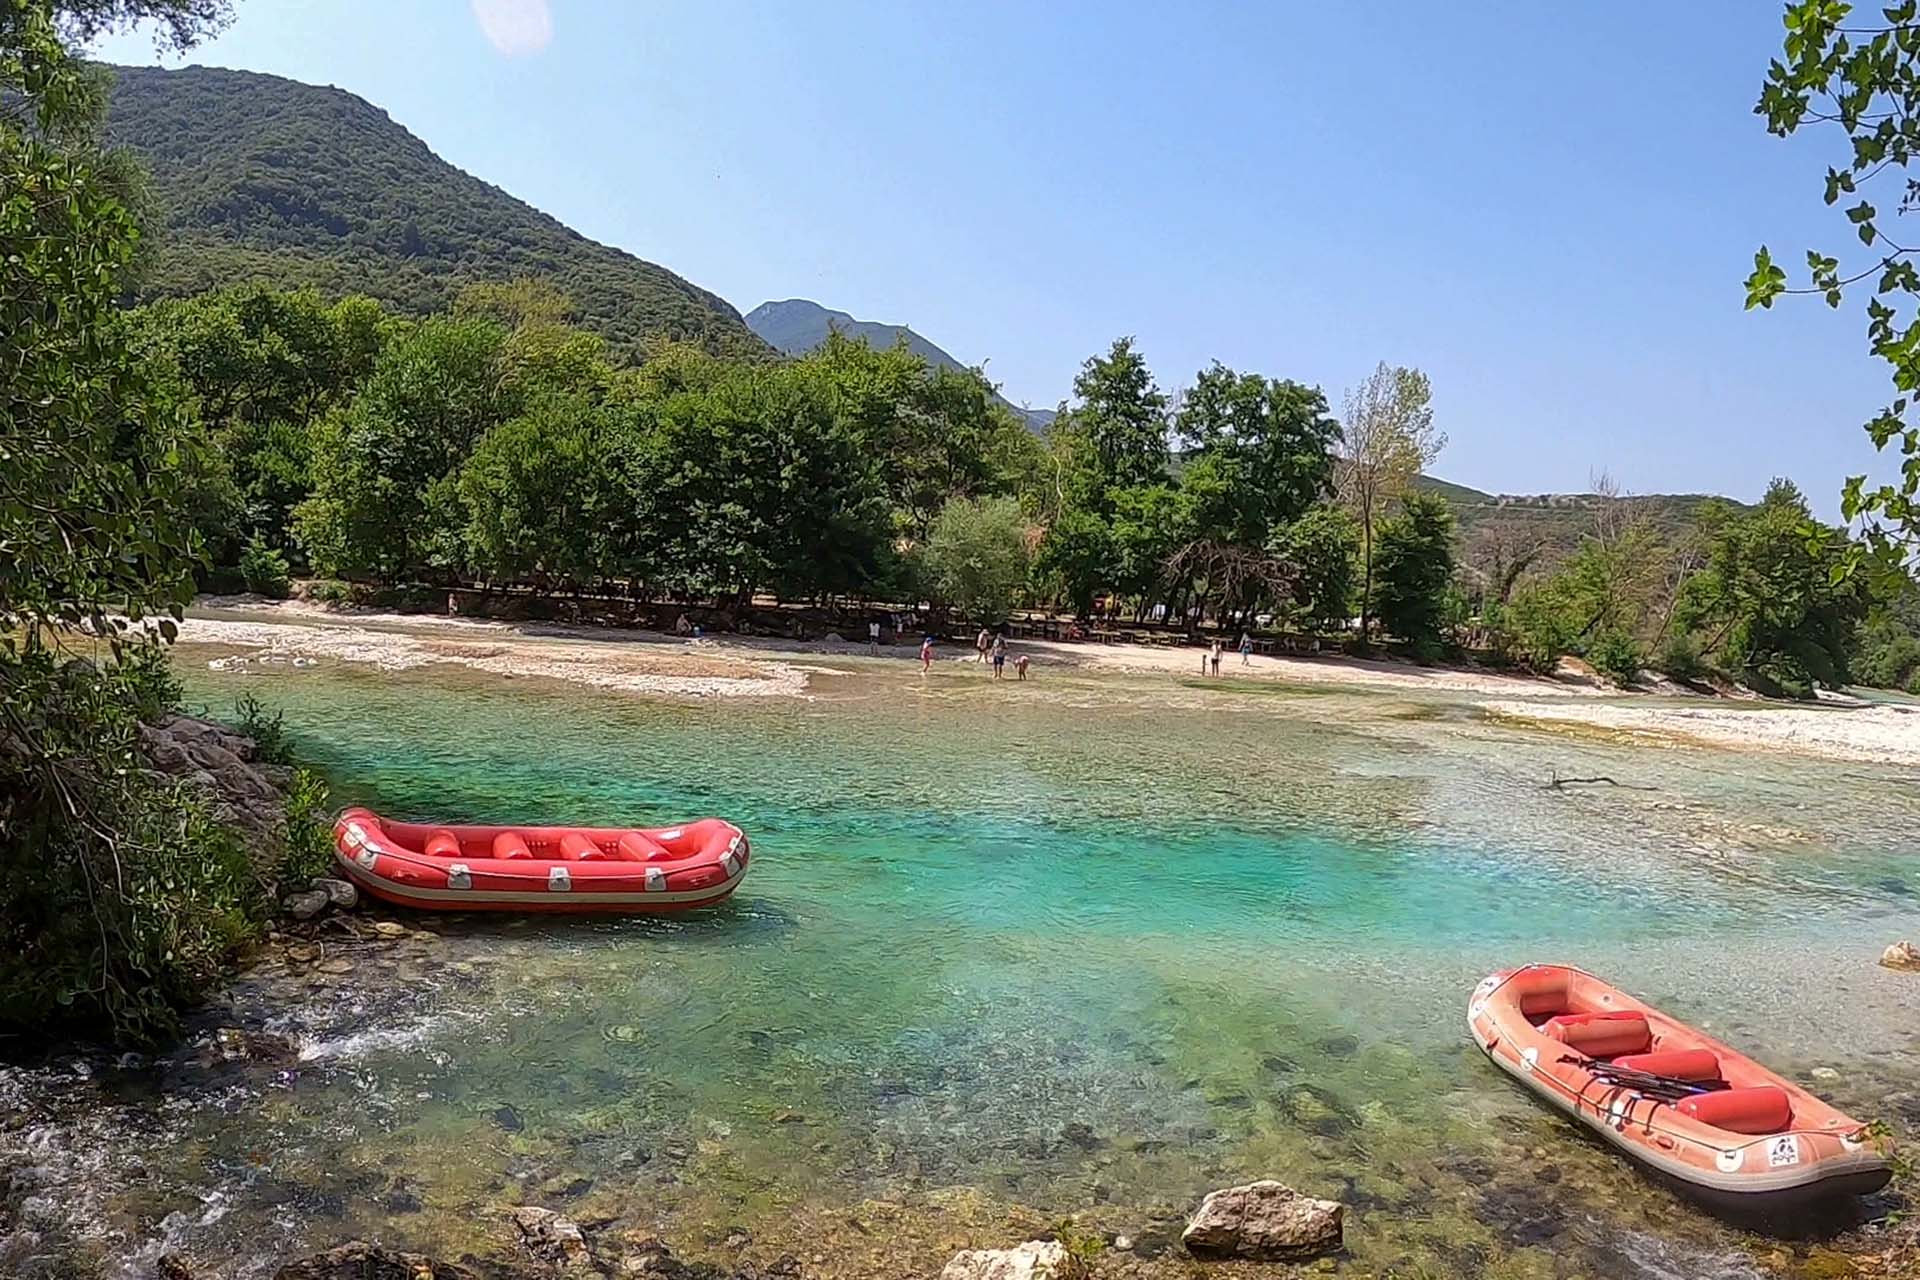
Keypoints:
(1246, 649)
(873, 635)
(926, 654)
(983, 642)
(999, 656)
(1020, 666)
(1218, 648)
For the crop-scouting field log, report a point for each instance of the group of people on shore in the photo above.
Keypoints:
(988, 646)
(1210, 656)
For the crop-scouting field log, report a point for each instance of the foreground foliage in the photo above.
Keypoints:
(121, 894)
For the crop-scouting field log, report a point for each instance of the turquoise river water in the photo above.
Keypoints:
(1008, 954)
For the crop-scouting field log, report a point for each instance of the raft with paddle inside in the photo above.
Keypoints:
(635, 871)
(1728, 1130)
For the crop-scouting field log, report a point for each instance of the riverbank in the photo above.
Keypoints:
(651, 663)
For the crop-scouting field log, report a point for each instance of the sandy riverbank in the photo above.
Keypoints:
(1878, 734)
(738, 666)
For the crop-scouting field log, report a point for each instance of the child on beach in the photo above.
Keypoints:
(1020, 666)
(1246, 649)
(999, 656)
(983, 642)
(926, 654)
(1218, 648)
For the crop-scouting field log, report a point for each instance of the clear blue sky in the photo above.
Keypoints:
(1548, 207)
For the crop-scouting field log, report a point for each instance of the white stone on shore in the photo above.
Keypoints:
(1034, 1260)
(1263, 1220)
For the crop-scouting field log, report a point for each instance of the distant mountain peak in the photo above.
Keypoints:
(795, 326)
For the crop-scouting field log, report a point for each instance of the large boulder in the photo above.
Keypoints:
(362, 1261)
(1902, 955)
(246, 792)
(1034, 1260)
(1263, 1220)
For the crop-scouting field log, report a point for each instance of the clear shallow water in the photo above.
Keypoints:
(1071, 947)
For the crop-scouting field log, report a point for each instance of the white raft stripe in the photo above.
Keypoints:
(380, 883)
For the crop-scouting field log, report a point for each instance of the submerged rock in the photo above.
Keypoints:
(231, 1044)
(1903, 956)
(552, 1238)
(1034, 1260)
(359, 1260)
(1263, 1220)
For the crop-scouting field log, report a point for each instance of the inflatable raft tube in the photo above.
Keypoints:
(1700, 1114)
(635, 871)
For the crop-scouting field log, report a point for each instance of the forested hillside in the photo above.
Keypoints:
(263, 179)
(1551, 525)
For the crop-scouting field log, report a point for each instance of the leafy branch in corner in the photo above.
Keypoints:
(1863, 80)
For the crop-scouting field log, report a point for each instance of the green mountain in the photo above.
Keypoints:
(796, 326)
(261, 178)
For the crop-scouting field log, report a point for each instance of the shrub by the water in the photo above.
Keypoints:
(267, 729)
(1615, 655)
(265, 571)
(121, 895)
(309, 850)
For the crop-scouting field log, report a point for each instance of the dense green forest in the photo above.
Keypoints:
(498, 445)
(258, 178)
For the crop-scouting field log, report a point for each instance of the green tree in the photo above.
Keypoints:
(1773, 602)
(1271, 442)
(1413, 571)
(1122, 415)
(977, 555)
(1150, 523)
(941, 432)
(1077, 556)
(1861, 77)
(768, 486)
(535, 492)
(1890, 642)
(1387, 438)
(1322, 546)
(384, 470)
(257, 368)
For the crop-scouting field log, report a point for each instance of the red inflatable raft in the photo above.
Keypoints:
(1671, 1097)
(454, 868)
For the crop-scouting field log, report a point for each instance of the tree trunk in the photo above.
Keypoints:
(1366, 573)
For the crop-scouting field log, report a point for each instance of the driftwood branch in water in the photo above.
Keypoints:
(1556, 782)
